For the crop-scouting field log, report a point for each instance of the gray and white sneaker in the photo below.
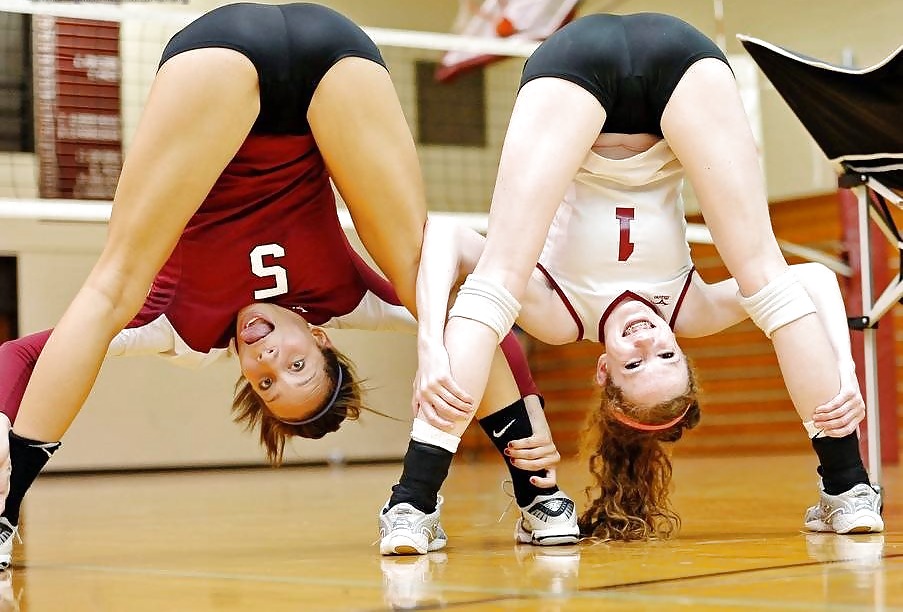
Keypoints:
(855, 511)
(405, 530)
(8, 533)
(551, 520)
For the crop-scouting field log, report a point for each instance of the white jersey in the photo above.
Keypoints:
(620, 229)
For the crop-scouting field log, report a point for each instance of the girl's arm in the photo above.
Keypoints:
(709, 309)
(447, 254)
(450, 252)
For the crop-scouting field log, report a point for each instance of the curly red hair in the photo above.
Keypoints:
(631, 469)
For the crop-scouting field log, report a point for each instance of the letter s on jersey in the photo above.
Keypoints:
(278, 273)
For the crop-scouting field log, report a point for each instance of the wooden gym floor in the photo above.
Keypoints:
(302, 539)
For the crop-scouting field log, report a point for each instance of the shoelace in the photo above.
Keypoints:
(511, 499)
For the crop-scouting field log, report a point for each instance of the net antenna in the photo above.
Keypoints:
(528, 20)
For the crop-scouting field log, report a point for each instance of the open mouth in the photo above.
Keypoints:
(255, 329)
(636, 326)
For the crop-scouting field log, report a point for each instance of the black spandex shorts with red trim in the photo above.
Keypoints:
(292, 46)
(629, 63)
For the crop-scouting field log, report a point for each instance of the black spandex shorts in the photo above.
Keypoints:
(630, 63)
(292, 46)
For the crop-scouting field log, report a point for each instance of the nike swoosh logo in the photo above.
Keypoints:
(496, 434)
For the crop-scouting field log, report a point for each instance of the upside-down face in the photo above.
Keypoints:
(642, 356)
(281, 356)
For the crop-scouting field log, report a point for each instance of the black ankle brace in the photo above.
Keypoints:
(841, 464)
(513, 423)
(28, 458)
(425, 469)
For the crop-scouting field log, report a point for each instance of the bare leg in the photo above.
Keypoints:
(543, 150)
(539, 160)
(707, 129)
(501, 391)
(200, 109)
(361, 131)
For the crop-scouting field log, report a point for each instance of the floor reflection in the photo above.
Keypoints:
(854, 566)
(10, 592)
(552, 569)
(413, 581)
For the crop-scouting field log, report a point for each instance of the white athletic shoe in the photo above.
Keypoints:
(8, 533)
(405, 530)
(551, 520)
(855, 511)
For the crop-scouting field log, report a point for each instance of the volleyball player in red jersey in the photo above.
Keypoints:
(225, 211)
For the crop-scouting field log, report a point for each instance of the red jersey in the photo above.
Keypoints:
(268, 231)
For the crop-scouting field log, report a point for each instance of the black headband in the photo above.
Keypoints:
(322, 411)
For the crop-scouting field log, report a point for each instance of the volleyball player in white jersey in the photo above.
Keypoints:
(612, 111)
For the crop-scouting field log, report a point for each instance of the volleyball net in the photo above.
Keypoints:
(74, 77)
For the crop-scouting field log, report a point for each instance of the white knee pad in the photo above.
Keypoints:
(486, 302)
(782, 301)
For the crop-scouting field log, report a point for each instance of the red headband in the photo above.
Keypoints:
(626, 420)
